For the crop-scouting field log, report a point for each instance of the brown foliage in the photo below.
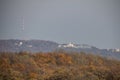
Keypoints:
(57, 66)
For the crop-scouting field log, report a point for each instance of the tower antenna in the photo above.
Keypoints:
(23, 24)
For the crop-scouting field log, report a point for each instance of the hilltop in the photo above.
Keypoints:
(50, 46)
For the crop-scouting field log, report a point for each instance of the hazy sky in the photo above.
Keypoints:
(93, 22)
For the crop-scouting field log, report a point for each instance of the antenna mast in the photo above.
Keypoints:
(23, 27)
(23, 24)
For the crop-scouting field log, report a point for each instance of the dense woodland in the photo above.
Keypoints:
(57, 66)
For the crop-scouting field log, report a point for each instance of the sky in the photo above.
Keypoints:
(93, 22)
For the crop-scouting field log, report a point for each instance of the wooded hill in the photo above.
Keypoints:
(57, 66)
(50, 46)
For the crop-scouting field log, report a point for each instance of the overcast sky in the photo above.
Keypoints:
(93, 22)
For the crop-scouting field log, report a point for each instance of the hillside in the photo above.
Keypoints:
(50, 46)
(57, 66)
(27, 45)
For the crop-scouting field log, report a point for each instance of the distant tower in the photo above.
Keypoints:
(23, 27)
(23, 24)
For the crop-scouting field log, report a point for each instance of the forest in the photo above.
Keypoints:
(59, 65)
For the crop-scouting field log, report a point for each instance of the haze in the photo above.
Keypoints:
(93, 22)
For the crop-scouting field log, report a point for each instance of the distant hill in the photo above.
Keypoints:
(27, 45)
(49, 46)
